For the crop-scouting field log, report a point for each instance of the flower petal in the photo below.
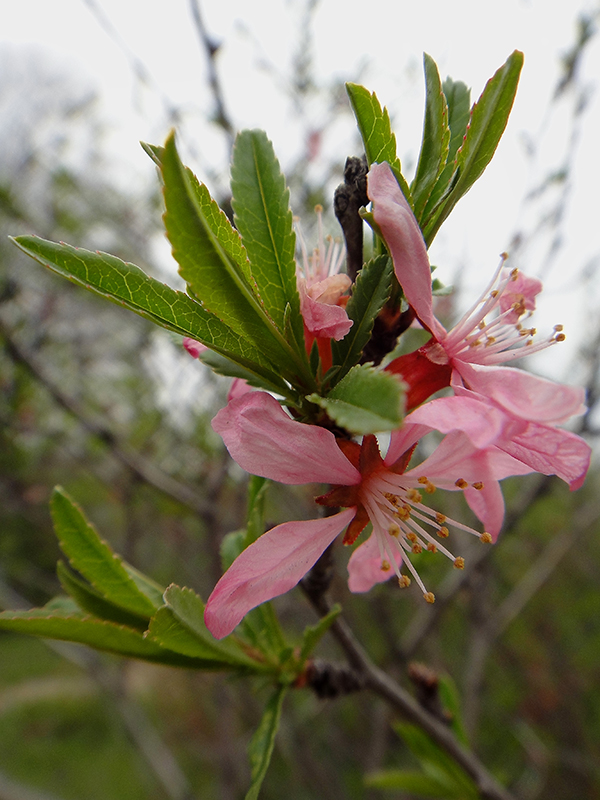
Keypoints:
(364, 566)
(324, 320)
(523, 394)
(272, 565)
(263, 440)
(402, 234)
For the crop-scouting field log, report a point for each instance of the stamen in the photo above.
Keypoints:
(385, 566)
(461, 483)
(478, 485)
(429, 597)
(459, 562)
(404, 581)
(485, 537)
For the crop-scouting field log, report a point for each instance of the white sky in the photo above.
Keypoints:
(378, 43)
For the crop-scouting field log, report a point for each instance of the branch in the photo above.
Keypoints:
(397, 697)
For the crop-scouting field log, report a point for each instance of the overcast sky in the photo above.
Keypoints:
(110, 43)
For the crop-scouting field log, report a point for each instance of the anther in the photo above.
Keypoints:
(416, 548)
(414, 496)
(429, 597)
(423, 479)
(461, 483)
(514, 274)
(385, 566)
(440, 518)
(485, 537)
(412, 537)
(431, 547)
(404, 581)
(403, 514)
(478, 485)
(394, 530)
(459, 562)
(443, 532)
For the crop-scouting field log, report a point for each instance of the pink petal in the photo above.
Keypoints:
(523, 394)
(239, 387)
(272, 565)
(551, 451)
(488, 506)
(403, 237)
(263, 440)
(521, 291)
(324, 320)
(193, 347)
(364, 566)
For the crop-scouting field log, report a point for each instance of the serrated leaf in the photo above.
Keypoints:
(458, 99)
(214, 263)
(369, 294)
(376, 131)
(436, 138)
(88, 599)
(64, 624)
(225, 366)
(93, 558)
(188, 608)
(312, 635)
(365, 401)
(129, 286)
(263, 742)
(489, 117)
(415, 783)
(169, 632)
(261, 205)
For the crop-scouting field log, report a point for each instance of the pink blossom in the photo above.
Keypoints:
(468, 357)
(322, 286)
(264, 440)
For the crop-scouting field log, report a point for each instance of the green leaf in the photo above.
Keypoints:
(261, 204)
(415, 783)
(365, 401)
(436, 763)
(263, 742)
(93, 558)
(369, 294)
(224, 366)
(214, 263)
(376, 131)
(88, 599)
(188, 609)
(312, 635)
(458, 99)
(255, 513)
(489, 117)
(129, 286)
(70, 626)
(436, 138)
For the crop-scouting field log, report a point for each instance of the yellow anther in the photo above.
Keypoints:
(429, 597)
(514, 274)
(481, 325)
(459, 562)
(490, 340)
(560, 337)
(443, 532)
(558, 328)
(476, 343)
(392, 499)
(394, 530)
(414, 496)
(423, 479)
(431, 547)
(385, 566)
(486, 538)
(403, 581)
(430, 488)
(412, 537)
(494, 293)
(416, 548)
(477, 485)
(318, 209)
(440, 518)
(461, 483)
(403, 514)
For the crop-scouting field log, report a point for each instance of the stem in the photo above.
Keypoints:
(381, 684)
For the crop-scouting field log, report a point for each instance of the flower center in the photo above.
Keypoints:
(404, 525)
(505, 337)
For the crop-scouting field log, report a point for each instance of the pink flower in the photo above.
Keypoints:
(468, 356)
(470, 353)
(321, 286)
(264, 440)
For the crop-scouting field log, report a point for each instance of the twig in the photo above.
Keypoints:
(397, 697)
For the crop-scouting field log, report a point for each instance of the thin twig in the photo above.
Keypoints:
(381, 684)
